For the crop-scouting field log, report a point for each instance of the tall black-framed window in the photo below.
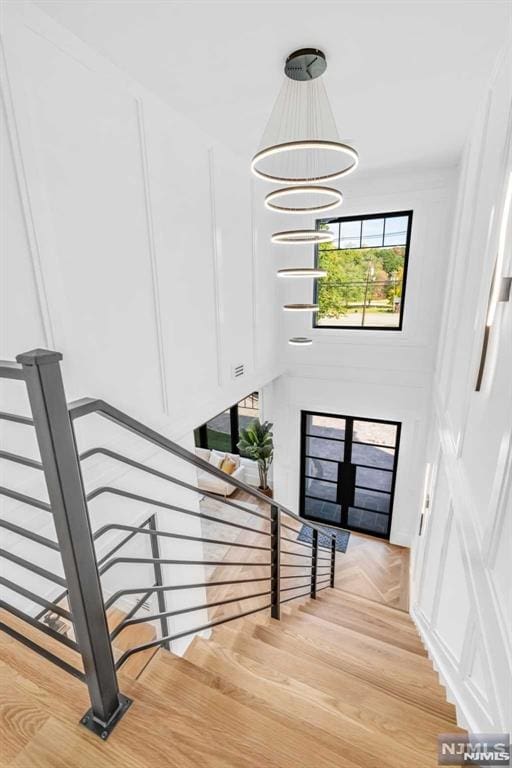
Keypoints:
(222, 433)
(366, 267)
(348, 471)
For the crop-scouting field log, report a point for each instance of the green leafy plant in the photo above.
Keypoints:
(257, 443)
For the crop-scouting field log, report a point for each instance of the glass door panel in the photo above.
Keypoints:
(320, 489)
(373, 500)
(323, 511)
(374, 433)
(374, 478)
(367, 522)
(348, 471)
(325, 426)
(324, 448)
(370, 456)
(323, 470)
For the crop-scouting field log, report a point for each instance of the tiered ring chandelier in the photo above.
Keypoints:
(302, 152)
(301, 147)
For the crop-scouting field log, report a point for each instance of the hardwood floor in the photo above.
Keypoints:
(371, 567)
(339, 682)
(375, 569)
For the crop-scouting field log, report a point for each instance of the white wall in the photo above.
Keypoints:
(381, 374)
(461, 588)
(130, 239)
(132, 244)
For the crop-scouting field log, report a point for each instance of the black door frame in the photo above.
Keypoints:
(349, 420)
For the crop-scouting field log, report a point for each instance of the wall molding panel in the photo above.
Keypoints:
(25, 202)
(470, 441)
(152, 253)
(216, 262)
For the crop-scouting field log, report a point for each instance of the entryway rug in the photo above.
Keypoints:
(324, 539)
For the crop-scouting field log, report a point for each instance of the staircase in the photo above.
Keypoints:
(340, 681)
(285, 668)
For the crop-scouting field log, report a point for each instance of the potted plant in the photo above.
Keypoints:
(256, 443)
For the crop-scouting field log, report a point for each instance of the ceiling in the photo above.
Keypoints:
(404, 78)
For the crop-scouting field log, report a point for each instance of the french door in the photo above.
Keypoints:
(348, 471)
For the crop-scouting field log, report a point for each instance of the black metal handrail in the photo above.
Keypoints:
(61, 462)
(87, 405)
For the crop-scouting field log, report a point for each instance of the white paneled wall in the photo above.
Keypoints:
(130, 243)
(462, 577)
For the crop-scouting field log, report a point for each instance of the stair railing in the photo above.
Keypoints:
(60, 462)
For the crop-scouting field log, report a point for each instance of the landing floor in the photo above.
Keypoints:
(371, 567)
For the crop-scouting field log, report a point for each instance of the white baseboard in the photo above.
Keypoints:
(469, 711)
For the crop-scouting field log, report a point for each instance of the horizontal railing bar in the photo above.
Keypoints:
(36, 599)
(296, 541)
(5, 416)
(167, 534)
(170, 638)
(325, 581)
(29, 535)
(295, 554)
(165, 561)
(328, 559)
(121, 543)
(164, 476)
(174, 587)
(299, 586)
(42, 651)
(11, 370)
(133, 610)
(172, 507)
(105, 557)
(289, 527)
(295, 597)
(32, 567)
(326, 586)
(297, 576)
(25, 499)
(85, 406)
(294, 565)
(39, 626)
(191, 609)
(18, 459)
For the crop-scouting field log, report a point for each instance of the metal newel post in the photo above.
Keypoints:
(155, 553)
(61, 466)
(275, 562)
(333, 558)
(314, 563)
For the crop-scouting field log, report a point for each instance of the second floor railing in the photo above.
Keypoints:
(272, 565)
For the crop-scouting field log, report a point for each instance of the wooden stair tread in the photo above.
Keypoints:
(372, 626)
(133, 635)
(352, 729)
(329, 679)
(427, 695)
(200, 689)
(340, 682)
(329, 634)
(336, 594)
(60, 650)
